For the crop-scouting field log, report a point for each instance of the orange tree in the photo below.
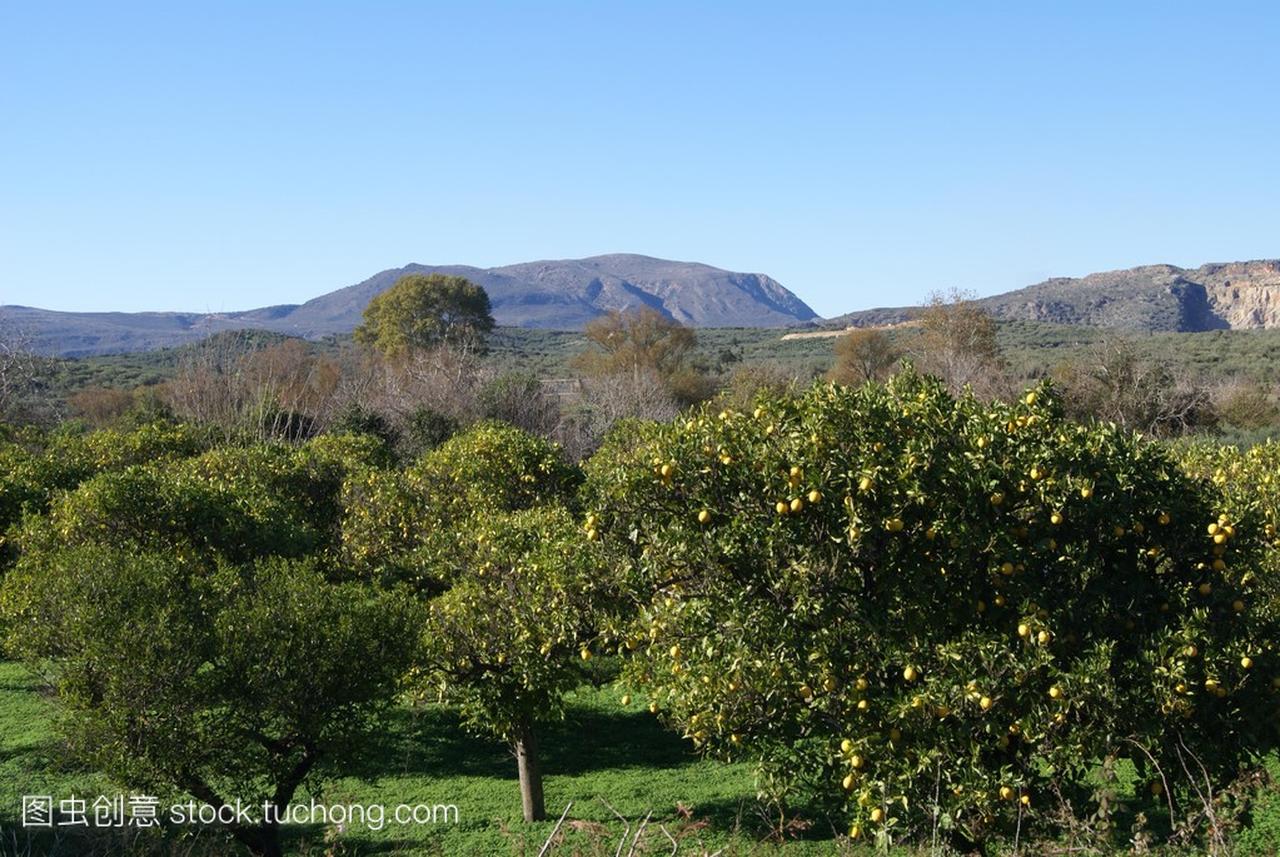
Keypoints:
(478, 530)
(1249, 479)
(510, 637)
(187, 616)
(926, 610)
(397, 525)
(35, 465)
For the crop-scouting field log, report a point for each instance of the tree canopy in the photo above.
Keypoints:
(423, 311)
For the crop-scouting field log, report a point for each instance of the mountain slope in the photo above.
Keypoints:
(1234, 295)
(563, 294)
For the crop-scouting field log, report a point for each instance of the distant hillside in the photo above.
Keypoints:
(1231, 296)
(551, 294)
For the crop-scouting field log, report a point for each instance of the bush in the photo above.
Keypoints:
(239, 684)
(895, 600)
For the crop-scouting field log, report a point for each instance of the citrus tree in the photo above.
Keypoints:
(398, 525)
(508, 638)
(924, 610)
(35, 466)
(1249, 479)
(477, 530)
(237, 683)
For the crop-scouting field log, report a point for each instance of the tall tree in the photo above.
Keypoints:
(862, 356)
(644, 342)
(424, 311)
(958, 344)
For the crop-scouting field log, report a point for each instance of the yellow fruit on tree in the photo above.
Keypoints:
(815, 496)
(1246, 662)
(781, 507)
(704, 517)
(848, 781)
(910, 674)
(876, 815)
(797, 504)
(985, 703)
(846, 746)
(1006, 793)
(1055, 692)
(626, 699)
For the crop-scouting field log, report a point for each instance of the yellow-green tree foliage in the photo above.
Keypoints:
(892, 598)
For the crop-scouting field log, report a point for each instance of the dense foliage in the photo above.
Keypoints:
(908, 608)
(903, 602)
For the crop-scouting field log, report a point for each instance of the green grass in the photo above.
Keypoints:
(601, 750)
(424, 756)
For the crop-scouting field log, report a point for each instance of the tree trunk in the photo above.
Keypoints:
(530, 773)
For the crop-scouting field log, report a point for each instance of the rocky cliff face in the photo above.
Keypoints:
(1233, 295)
(1245, 295)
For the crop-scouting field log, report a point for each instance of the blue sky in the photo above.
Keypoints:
(226, 155)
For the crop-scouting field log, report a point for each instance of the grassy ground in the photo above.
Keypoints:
(601, 752)
(427, 758)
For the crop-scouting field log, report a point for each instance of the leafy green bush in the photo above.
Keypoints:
(899, 602)
(240, 683)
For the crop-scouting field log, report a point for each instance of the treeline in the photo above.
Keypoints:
(416, 390)
(1112, 380)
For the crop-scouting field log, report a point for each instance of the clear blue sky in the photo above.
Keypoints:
(226, 155)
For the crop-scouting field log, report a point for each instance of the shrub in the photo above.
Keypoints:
(239, 684)
(898, 602)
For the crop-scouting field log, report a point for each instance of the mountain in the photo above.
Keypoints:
(563, 294)
(1220, 296)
